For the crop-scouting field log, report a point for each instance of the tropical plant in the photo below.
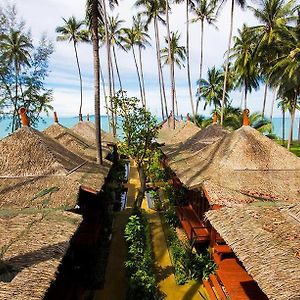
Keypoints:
(245, 66)
(171, 55)
(205, 10)
(153, 11)
(139, 129)
(242, 4)
(129, 41)
(115, 33)
(273, 16)
(189, 4)
(211, 90)
(142, 40)
(94, 18)
(15, 53)
(74, 31)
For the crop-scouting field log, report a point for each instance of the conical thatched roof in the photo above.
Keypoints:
(196, 142)
(35, 168)
(33, 244)
(88, 131)
(243, 166)
(28, 152)
(73, 142)
(166, 132)
(266, 240)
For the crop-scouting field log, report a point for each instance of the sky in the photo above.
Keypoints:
(44, 16)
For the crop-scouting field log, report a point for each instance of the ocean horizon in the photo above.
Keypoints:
(70, 121)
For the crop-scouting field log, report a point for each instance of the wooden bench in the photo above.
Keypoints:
(196, 230)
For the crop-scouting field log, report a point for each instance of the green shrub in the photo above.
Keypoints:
(188, 265)
(139, 263)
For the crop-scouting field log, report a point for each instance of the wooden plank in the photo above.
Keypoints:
(216, 284)
(210, 291)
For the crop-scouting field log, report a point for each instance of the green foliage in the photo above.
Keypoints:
(154, 171)
(176, 196)
(158, 205)
(139, 263)
(23, 70)
(138, 125)
(188, 265)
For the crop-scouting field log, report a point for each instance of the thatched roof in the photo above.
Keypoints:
(243, 166)
(196, 142)
(88, 131)
(33, 244)
(35, 168)
(166, 131)
(266, 240)
(173, 138)
(73, 141)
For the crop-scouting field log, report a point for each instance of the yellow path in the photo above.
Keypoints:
(164, 269)
(115, 281)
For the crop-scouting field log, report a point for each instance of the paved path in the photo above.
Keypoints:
(115, 281)
(164, 268)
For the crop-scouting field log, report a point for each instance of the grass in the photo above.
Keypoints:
(295, 147)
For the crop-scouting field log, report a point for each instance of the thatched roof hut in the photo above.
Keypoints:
(34, 167)
(32, 245)
(243, 166)
(165, 131)
(87, 130)
(73, 142)
(265, 238)
(194, 143)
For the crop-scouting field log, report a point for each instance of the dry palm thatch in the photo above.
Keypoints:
(165, 130)
(36, 169)
(243, 166)
(88, 131)
(32, 245)
(266, 240)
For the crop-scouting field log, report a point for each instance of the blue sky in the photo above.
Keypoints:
(44, 16)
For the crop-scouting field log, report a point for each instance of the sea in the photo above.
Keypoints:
(71, 121)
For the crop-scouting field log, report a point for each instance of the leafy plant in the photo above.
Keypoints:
(139, 263)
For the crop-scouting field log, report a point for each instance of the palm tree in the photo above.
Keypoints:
(73, 31)
(274, 15)
(285, 73)
(152, 12)
(15, 48)
(115, 32)
(94, 17)
(171, 55)
(211, 90)
(242, 4)
(188, 5)
(129, 41)
(244, 62)
(205, 10)
(142, 40)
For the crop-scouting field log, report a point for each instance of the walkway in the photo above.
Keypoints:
(115, 282)
(164, 269)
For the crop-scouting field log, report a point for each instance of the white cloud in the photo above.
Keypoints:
(45, 16)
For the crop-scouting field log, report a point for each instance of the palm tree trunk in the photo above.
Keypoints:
(171, 63)
(142, 75)
(290, 141)
(117, 67)
(283, 126)
(138, 75)
(112, 76)
(273, 103)
(175, 94)
(299, 130)
(265, 101)
(80, 80)
(201, 58)
(245, 99)
(160, 73)
(227, 62)
(108, 46)
(188, 59)
(95, 40)
(105, 98)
